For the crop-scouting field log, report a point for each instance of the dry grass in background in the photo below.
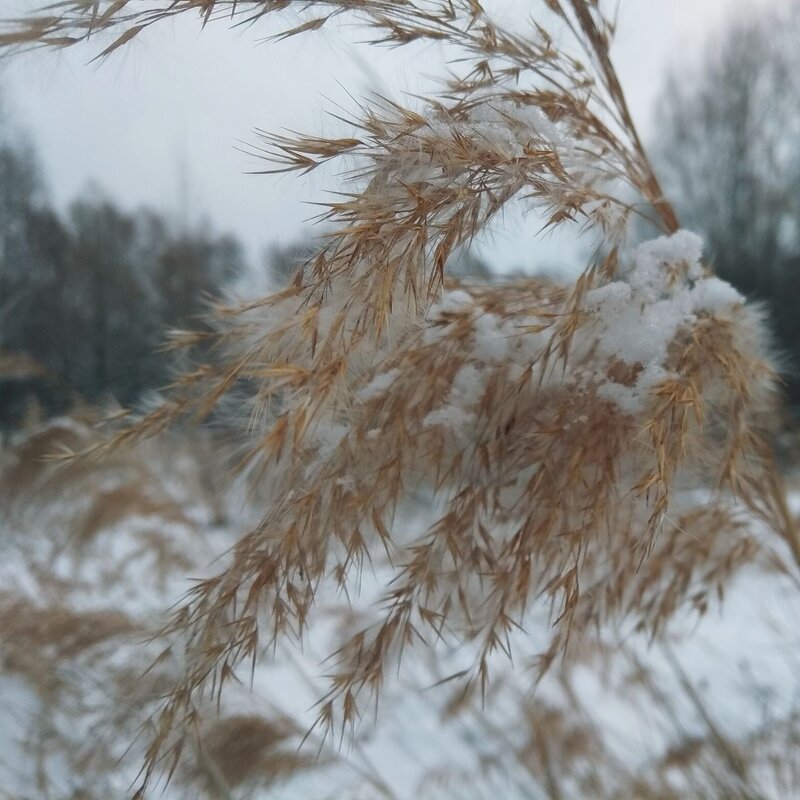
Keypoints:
(599, 454)
(76, 612)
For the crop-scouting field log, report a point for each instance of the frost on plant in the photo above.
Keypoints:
(559, 429)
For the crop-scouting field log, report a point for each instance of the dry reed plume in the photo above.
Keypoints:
(93, 553)
(561, 428)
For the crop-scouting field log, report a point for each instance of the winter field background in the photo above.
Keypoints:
(694, 695)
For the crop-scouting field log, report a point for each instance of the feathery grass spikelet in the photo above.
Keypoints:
(561, 427)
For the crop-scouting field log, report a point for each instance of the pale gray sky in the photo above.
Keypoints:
(178, 100)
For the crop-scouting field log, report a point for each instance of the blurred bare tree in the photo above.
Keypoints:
(90, 294)
(728, 149)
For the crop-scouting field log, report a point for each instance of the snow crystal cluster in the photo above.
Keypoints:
(505, 127)
(665, 290)
(627, 328)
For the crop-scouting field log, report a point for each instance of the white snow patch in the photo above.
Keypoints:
(378, 385)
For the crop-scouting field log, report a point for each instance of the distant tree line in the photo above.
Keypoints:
(728, 148)
(89, 294)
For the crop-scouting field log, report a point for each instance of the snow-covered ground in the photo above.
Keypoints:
(93, 554)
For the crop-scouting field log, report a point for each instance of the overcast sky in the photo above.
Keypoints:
(159, 122)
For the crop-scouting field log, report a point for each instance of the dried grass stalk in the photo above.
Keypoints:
(560, 426)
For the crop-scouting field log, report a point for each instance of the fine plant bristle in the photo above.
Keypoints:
(562, 432)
